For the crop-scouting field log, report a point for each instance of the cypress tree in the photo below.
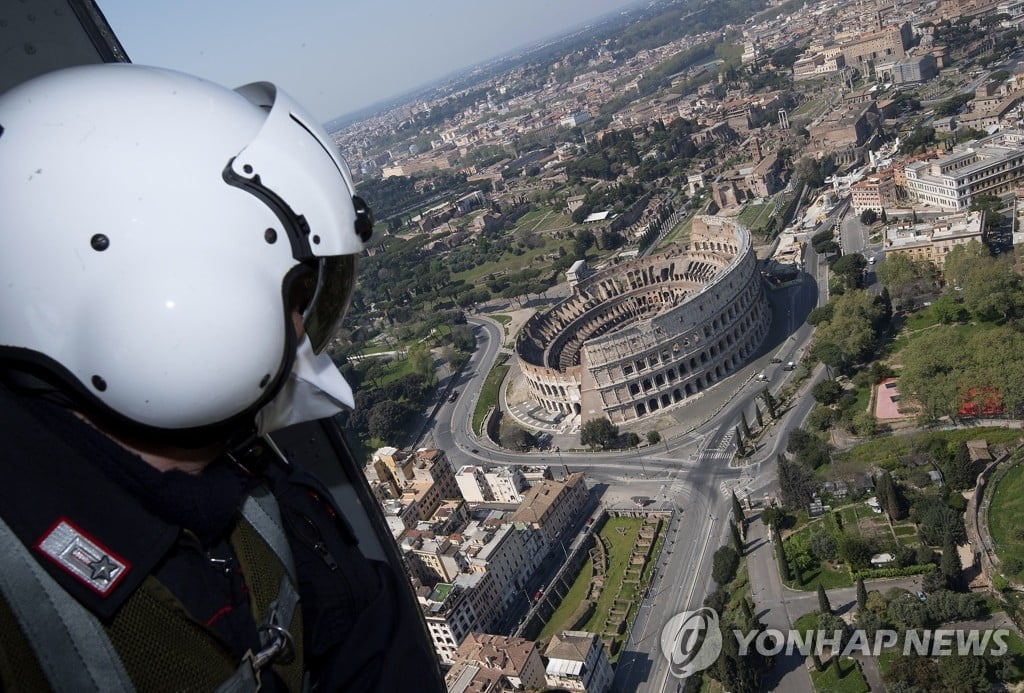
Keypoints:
(823, 603)
(862, 594)
(950, 562)
(737, 510)
(758, 416)
(741, 447)
(769, 402)
(780, 557)
(746, 426)
(737, 540)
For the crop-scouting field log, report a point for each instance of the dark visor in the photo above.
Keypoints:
(336, 280)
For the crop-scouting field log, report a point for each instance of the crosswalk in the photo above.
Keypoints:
(724, 451)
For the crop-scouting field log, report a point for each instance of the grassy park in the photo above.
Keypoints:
(489, 394)
(613, 579)
(1004, 520)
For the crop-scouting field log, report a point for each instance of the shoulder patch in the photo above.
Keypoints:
(83, 557)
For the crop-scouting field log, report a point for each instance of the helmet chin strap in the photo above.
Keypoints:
(313, 390)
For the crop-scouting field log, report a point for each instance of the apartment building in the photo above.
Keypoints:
(577, 661)
(876, 192)
(450, 617)
(433, 559)
(514, 664)
(887, 42)
(551, 507)
(511, 553)
(420, 480)
(990, 166)
(933, 240)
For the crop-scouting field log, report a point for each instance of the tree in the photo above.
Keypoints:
(868, 217)
(516, 438)
(598, 433)
(827, 392)
(387, 420)
(780, 558)
(737, 510)
(769, 401)
(962, 672)
(950, 565)
(741, 445)
(745, 425)
(849, 337)
(737, 540)
(820, 315)
(796, 483)
(758, 416)
(653, 437)
(822, 545)
(935, 519)
(632, 439)
(773, 518)
(855, 551)
(958, 471)
(421, 362)
(862, 594)
(724, 565)
(823, 603)
(889, 496)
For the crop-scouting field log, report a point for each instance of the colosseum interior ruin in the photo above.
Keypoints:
(649, 333)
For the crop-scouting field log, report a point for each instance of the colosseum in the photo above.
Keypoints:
(649, 333)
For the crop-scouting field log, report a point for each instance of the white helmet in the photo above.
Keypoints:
(155, 228)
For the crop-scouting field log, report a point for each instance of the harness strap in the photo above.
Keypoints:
(74, 650)
(72, 647)
(261, 511)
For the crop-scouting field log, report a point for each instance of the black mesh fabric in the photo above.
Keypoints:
(188, 658)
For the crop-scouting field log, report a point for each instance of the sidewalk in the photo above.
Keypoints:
(770, 607)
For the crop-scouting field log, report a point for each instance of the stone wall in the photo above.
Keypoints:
(652, 332)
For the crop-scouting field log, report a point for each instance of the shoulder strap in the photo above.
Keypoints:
(261, 511)
(72, 648)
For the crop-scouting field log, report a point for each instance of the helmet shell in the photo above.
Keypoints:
(133, 270)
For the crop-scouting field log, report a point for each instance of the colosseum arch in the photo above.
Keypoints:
(649, 333)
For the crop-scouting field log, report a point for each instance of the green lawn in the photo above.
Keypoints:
(577, 593)
(1015, 669)
(886, 452)
(1004, 515)
(751, 213)
(488, 395)
(620, 544)
(514, 263)
(851, 681)
(957, 333)
(503, 319)
(823, 575)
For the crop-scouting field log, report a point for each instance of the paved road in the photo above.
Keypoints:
(691, 468)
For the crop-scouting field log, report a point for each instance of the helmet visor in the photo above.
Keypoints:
(335, 282)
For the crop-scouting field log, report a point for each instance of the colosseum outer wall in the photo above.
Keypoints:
(650, 333)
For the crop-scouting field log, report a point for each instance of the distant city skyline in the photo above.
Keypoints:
(338, 57)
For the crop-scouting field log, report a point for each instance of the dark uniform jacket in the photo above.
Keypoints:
(61, 476)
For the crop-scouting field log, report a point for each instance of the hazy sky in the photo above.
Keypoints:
(336, 56)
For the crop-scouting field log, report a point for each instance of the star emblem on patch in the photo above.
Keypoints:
(83, 557)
